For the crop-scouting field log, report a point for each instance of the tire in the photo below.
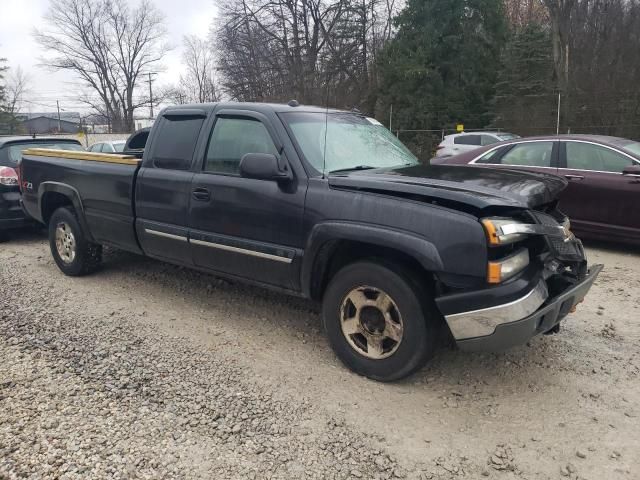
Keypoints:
(407, 304)
(76, 256)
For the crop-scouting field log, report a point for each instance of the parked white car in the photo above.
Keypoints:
(108, 147)
(464, 142)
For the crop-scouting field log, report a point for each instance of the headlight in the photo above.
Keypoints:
(500, 270)
(501, 231)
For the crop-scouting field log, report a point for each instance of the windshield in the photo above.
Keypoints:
(15, 151)
(633, 147)
(352, 142)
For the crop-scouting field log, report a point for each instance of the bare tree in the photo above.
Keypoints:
(110, 46)
(18, 85)
(560, 15)
(311, 50)
(198, 83)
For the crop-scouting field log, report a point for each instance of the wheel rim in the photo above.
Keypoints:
(65, 242)
(371, 322)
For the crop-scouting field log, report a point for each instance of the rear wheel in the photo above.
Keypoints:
(72, 252)
(380, 322)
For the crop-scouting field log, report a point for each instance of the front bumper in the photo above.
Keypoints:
(502, 326)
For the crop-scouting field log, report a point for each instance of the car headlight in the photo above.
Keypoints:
(500, 270)
(502, 231)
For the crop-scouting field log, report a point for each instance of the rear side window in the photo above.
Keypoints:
(231, 139)
(175, 142)
(534, 154)
(490, 157)
(467, 140)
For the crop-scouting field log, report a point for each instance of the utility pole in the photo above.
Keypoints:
(150, 81)
(558, 120)
(59, 123)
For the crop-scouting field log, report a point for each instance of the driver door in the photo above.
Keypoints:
(240, 226)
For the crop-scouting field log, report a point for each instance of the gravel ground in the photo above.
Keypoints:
(146, 370)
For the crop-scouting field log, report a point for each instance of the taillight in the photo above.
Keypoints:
(8, 176)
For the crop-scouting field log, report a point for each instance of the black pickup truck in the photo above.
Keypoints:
(328, 205)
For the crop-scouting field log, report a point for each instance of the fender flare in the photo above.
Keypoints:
(72, 194)
(408, 243)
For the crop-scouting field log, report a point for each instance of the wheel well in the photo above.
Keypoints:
(336, 254)
(51, 201)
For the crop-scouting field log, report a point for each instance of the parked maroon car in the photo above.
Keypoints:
(603, 196)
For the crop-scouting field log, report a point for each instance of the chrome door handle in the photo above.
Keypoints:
(574, 177)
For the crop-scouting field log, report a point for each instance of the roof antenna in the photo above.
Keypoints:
(326, 127)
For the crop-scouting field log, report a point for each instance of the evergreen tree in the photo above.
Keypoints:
(525, 82)
(442, 66)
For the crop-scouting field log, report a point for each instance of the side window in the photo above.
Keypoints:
(467, 140)
(534, 154)
(490, 157)
(231, 139)
(96, 147)
(488, 140)
(586, 156)
(107, 148)
(175, 142)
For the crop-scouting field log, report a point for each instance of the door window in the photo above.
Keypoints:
(175, 142)
(467, 140)
(535, 154)
(488, 140)
(231, 139)
(96, 147)
(586, 156)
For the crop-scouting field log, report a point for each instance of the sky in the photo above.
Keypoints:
(18, 18)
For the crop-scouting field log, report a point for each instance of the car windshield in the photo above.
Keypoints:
(352, 142)
(633, 147)
(507, 136)
(15, 151)
(118, 147)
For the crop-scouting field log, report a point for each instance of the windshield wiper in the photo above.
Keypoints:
(358, 167)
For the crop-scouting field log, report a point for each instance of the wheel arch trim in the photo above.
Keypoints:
(72, 194)
(419, 248)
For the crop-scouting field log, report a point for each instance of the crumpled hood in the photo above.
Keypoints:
(479, 187)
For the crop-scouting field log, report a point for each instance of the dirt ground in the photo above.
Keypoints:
(147, 370)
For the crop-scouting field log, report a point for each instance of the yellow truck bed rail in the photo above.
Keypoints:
(78, 155)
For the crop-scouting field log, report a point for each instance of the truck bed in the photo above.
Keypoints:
(104, 185)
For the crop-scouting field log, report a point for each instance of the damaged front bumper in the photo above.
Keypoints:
(502, 326)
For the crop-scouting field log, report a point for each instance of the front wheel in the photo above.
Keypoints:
(72, 252)
(380, 322)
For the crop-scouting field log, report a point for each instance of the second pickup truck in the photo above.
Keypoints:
(327, 205)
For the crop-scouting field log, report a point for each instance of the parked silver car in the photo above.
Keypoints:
(115, 146)
(465, 142)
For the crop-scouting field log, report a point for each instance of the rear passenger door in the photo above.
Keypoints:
(163, 187)
(246, 227)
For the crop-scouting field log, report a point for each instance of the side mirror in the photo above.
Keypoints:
(632, 171)
(263, 166)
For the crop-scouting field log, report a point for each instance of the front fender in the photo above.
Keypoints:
(406, 242)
